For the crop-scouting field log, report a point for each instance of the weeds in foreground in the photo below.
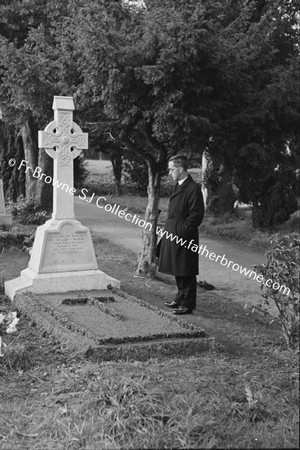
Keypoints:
(15, 358)
(204, 402)
(283, 262)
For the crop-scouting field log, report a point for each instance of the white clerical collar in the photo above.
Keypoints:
(181, 181)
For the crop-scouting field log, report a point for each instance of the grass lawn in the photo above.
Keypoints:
(241, 393)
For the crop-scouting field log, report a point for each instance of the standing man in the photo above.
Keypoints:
(185, 214)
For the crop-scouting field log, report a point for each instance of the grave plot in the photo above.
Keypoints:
(111, 325)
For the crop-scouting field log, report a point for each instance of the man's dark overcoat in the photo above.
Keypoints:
(185, 214)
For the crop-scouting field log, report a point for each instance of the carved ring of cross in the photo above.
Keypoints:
(67, 141)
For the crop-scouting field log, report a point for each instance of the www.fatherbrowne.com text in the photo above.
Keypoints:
(136, 220)
(116, 209)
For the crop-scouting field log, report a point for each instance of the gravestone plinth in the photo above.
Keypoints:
(5, 219)
(63, 257)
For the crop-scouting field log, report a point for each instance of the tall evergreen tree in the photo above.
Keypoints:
(259, 115)
(28, 81)
(11, 147)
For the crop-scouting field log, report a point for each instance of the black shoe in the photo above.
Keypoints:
(181, 310)
(205, 285)
(172, 304)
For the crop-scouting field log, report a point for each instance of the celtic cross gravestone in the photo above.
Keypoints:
(63, 140)
(63, 257)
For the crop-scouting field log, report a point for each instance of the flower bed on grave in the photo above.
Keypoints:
(111, 325)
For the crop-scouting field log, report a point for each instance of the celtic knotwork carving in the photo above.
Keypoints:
(63, 139)
(65, 119)
(48, 140)
(65, 157)
(65, 130)
(79, 141)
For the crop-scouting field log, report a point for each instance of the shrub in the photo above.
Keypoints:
(292, 225)
(80, 171)
(28, 212)
(283, 266)
(136, 173)
(15, 239)
(166, 187)
(273, 196)
(135, 176)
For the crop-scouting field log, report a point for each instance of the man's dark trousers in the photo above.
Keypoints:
(187, 291)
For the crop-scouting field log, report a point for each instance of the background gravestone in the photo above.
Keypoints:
(5, 219)
(63, 257)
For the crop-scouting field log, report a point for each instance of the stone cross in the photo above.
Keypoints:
(63, 140)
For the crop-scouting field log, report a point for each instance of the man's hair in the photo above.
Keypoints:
(180, 161)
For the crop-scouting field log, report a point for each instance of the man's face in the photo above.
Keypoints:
(174, 172)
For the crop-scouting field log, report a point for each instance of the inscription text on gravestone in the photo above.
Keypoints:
(67, 249)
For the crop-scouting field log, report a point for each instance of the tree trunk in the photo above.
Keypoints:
(116, 160)
(277, 201)
(147, 265)
(204, 165)
(221, 195)
(31, 157)
(44, 191)
(36, 188)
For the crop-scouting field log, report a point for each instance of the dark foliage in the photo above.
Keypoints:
(11, 146)
(136, 172)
